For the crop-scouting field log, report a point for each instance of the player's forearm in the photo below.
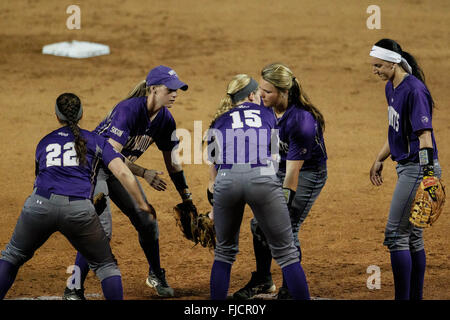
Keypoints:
(292, 171)
(171, 162)
(425, 140)
(384, 153)
(127, 179)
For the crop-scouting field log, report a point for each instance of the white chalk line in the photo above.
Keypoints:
(89, 295)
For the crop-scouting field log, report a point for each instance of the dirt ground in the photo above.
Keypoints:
(326, 44)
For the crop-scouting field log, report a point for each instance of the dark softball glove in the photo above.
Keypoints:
(428, 203)
(198, 228)
(99, 202)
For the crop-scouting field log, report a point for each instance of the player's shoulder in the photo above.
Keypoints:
(57, 134)
(300, 114)
(248, 106)
(89, 135)
(93, 139)
(414, 85)
(131, 105)
(301, 122)
(136, 101)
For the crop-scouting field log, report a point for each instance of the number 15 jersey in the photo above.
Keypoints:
(57, 166)
(244, 134)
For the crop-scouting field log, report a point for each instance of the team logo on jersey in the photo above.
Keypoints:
(394, 118)
(116, 131)
(137, 144)
(424, 119)
(64, 134)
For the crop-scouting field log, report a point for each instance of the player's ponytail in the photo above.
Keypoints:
(282, 78)
(299, 97)
(238, 82)
(416, 70)
(140, 90)
(69, 112)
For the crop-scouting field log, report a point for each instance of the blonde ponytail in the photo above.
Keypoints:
(140, 90)
(238, 82)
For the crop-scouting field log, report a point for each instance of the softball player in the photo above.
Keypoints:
(66, 162)
(241, 132)
(302, 169)
(131, 127)
(411, 144)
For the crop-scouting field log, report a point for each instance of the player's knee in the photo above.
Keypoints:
(15, 256)
(225, 253)
(106, 270)
(396, 243)
(145, 225)
(416, 245)
(285, 256)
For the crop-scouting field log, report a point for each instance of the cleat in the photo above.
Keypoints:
(159, 283)
(256, 285)
(73, 294)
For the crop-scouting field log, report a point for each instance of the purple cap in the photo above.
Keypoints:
(166, 76)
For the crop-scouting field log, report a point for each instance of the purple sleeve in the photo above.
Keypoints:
(302, 133)
(164, 141)
(108, 152)
(119, 129)
(420, 111)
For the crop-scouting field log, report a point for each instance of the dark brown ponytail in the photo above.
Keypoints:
(69, 105)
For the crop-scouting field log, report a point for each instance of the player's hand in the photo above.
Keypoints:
(154, 180)
(375, 173)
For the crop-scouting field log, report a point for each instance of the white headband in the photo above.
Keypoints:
(391, 56)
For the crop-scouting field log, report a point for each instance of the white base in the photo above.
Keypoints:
(76, 49)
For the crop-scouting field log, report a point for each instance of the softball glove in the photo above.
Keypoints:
(428, 203)
(198, 228)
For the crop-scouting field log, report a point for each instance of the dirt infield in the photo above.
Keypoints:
(326, 44)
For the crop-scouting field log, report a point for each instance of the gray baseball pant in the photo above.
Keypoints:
(76, 220)
(242, 185)
(400, 234)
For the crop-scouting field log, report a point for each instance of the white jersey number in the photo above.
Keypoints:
(69, 157)
(251, 119)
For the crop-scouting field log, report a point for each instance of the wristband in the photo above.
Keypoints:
(210, 196)
(289, 195)
(185, 195)
(426, 161)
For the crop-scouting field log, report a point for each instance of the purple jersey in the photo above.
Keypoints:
(409, 111)
(301, 138)
(57, 167)
(243, 135)
(129, 124)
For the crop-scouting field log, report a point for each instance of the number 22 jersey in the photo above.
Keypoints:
(57, 167)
